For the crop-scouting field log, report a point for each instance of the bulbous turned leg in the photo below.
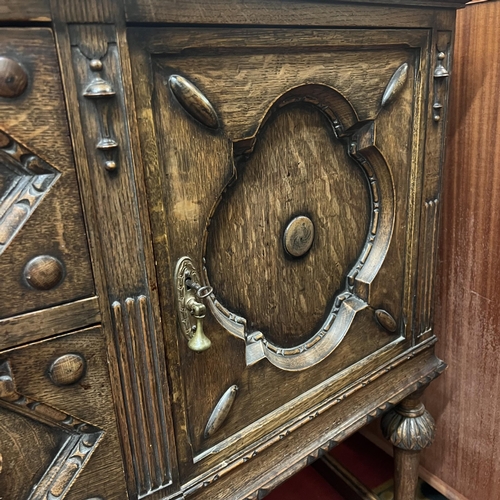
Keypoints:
(410, 428)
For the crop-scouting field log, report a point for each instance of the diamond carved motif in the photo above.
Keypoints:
(25, 179)
(77, 439)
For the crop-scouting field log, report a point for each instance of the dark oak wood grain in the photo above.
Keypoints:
(287, 12)
(30, 10)
(297, 168)
(18, 330)
(117, 215)
(190, 198)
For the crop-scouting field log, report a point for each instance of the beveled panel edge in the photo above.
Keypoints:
(44, 323)
(175, 39)
(365, 377)
(74, 452)
(339, 434)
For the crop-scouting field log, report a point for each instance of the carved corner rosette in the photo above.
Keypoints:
(409, 428)
(359, 139)
(78, 438)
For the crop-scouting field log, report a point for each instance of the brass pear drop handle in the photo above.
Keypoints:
(190, 307)
(195, 294)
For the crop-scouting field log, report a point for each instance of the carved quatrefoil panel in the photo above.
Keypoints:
(366, 195)
(25, 179)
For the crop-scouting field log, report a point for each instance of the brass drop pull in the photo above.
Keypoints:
(199, 341)
(190, 295)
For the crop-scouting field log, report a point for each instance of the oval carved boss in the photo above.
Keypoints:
(67, 369)
(193, 101)
(395, 84)
(44, 272)
(386, 320)
(221, 411)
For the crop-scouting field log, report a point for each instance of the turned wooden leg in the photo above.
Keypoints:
(410, 428)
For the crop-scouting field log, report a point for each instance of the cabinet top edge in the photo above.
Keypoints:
(196, 11)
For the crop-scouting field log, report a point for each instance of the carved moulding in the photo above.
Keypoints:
(145, 408)
(26, 180)
(78, 439)
(359, 139)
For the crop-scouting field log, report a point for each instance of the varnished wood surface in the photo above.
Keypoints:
(29, 10)
(241, 73)
(116, 211)
(465, 400)
(38, 325)
(301, 448)
(183, 195)
(286, 12)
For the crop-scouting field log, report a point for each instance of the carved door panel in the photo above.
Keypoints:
(283, 169)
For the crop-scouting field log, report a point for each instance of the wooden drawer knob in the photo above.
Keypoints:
(44, 272)
(13, 78)
(67, 369)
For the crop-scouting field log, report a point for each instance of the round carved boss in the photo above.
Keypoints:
(44, 272)
(67, 369)
(299, 236)
(13, 78)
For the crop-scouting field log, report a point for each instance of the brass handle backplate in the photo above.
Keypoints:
(191, 309)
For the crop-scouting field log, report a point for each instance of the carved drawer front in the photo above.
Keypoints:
(282, 182)
(44, 257)
(58, 436)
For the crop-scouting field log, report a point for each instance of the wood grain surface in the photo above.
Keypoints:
(153, 160)
(287, 12)
(38, 325)
(29, 10)
(465, 402)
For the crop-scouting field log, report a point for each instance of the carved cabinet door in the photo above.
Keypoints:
(283, 169)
